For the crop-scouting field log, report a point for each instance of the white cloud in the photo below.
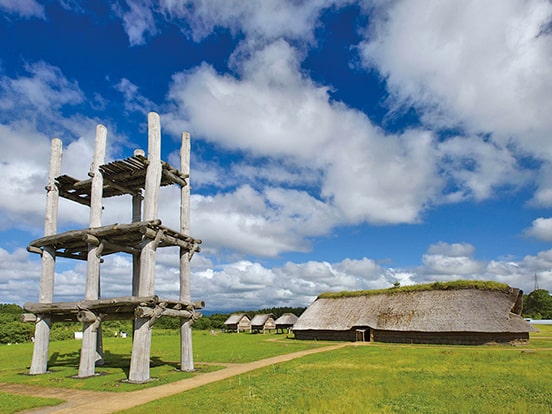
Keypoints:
(265, 223)
(478, 168)
(32, 113)
(267, 19)
(134, 101)
(478, 66)
(445, 261)
(451, 250)
(23, 8)
(281, 114)
(45, 89)
(247, 285)
(138, 20)
(541, 228)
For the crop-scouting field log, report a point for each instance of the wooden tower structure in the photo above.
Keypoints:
(140, 177)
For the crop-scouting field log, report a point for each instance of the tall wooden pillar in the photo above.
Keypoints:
(186, 351)
(141, 345)
(39, 364)
(89, 350)
(136, 216)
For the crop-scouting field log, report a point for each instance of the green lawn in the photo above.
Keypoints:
(10, 403)
(386, 378)
(64, 359)
(376, 377)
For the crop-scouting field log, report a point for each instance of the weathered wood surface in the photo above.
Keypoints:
(141, 239)
(121, 177)
(94, 304)
(186, 350)
(141, 344)
(145, 312)
(91, 339)
(116, 238)
(39, 364)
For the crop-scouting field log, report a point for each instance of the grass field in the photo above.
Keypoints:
(376, 377)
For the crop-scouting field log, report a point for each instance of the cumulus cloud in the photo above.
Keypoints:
(445, 261)
(453, 261)
(44, 89)
(479, 67)
(249, 285)
(283, 115)
(264, 223)
(32, 113)
(541, 229)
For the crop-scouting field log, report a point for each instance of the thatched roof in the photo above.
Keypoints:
(444, 310)
(286, 319)
(260, 320)
(235, 318)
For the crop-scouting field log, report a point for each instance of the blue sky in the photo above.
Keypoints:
(336, 145)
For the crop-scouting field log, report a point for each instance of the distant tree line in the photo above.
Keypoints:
(536, 305)
(216, 320)
(14, 331)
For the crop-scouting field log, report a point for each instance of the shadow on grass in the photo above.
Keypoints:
(64, 360)
(112, 361)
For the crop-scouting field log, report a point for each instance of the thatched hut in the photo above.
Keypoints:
(285, 322)
(446, 313)
(237, 322)
(262, 323)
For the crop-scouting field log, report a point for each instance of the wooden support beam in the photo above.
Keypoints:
(110, 183)
(141, 345)
(28, 317)
(86, 316)
(174, 178)
(39, 364)
(186, 352)
(90, 347)
(60, 307)
(32, 249)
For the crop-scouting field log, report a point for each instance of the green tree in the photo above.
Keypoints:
(538, 304)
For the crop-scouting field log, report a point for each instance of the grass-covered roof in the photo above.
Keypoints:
(460, 306)
(455, 285)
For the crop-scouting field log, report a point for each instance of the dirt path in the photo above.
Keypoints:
(94, 402)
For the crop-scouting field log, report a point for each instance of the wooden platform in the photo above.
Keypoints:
(120, 308)
(120, 177)
(115, 238)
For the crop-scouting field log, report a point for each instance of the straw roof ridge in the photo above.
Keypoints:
(454, 285)
(261, 318)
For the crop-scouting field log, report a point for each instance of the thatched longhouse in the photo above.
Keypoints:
(444, 313)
